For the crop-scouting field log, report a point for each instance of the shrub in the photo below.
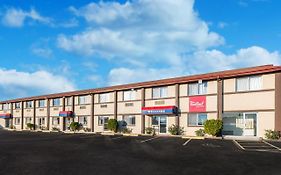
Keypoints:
(200, 132)
(274, 135)
(126, 130)
(87, 129)
(30, 126)
(213, 127)
(113, 125)
(175, 130)
(55, 129)
(75, 126)
(12, 127)
(150, 130)
(43, 127)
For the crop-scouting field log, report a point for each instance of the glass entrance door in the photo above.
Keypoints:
(163, 124)
(7, 123)
(105, 123)
(240, 124)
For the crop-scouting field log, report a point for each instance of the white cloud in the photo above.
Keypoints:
(222, 25)
(198, 62)
(16, 17)
(15, 83)
(140, 31)
(42, 52)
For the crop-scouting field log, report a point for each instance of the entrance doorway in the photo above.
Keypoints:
(240, 124)
(7, 123)
(160, 124)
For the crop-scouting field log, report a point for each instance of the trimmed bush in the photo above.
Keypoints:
(150, 130)
(55, 129)
(75, 126)
(200, 132)
(213, 127)
(127, 130)
(175, 130)
(113, 125)
(30, 126)
(274, 135)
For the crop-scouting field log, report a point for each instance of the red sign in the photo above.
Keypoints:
(197, 104)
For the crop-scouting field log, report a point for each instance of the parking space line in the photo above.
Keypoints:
(185, 143)
(237, 144)
(271, 145)
(143, 141)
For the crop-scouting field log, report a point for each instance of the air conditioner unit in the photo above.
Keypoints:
(200, 81)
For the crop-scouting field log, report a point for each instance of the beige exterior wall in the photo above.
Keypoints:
(160, 102)
(265, 120)
(133, 107)
(136, 129)
(190, 130)
(2, 123)
(104, 109)
(211, 103)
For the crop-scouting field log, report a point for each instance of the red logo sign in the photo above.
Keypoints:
(197, 104)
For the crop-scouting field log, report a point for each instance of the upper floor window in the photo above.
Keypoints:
(1, 106)
(104, 97)
(81, 100)
(5, 106)
(41, 103)
(197, 88)
(129, 95)
(56, 102)
(17, 105)
(248, 83)
(68, 101)
(159, 92)
(28, 104)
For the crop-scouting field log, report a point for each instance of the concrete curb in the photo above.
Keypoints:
(193, 137)
(130, 135)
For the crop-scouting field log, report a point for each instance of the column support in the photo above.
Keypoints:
(48, 114)
(22, 114)
(142, 116)
(92, 126)
(34, 114)
(115, 105)
(177, 101)
(219, 98)
(12, 120)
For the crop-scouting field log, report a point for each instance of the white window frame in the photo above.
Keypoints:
(17, 105)
(85, 118)
(28, 120)
(29, 104)
(197, 118)
(40, 103)
(129, 95)
(159, 92)
(248, 86)
(201, 88)
(104, 98)
(128, 118)
(68, 101)
(82, 100)
(56, 100)
(57, 119)
(17, 120)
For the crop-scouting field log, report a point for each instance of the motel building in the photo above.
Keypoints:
(247, 100)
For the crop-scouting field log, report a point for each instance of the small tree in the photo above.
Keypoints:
(113, 125)
(200, 132)
(213, 127)
(75, 126)
(150, 130)
(274, 135)
(175, 130)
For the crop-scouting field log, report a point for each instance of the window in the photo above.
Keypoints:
(83, 120)
(42, 120)
(248, 83)
(1, 106)
(196, 119)
(197, 88)
(6, 106)
(81, 100)
(56, 121)
(155, 120)
(130, 120)
(17, 121)
(100, 120)
(28, 104)
(160, 92)
(68, 101)
(103, 98)
(56, 102)
(28, 120)
(17, 105)
(129, 95)
(41, 103)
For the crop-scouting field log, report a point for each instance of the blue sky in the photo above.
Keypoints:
(55, 46)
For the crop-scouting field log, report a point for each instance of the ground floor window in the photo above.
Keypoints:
(41, 121)
(196, 119)
(56, 121)
(155, 120)
(130, 120)
(28, 120)
(83, 120)
(102, 120)
(17, 120)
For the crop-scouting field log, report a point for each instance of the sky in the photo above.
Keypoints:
(56, 46)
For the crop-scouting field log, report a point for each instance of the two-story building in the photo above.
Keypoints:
(247, 100)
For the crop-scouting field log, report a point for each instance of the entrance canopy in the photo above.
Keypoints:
(66, 114)
(159, 110)
(6, 116)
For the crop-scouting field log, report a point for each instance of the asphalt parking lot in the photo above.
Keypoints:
(57, 153)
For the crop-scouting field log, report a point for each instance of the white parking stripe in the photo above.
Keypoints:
(186, 142)
(240, 146)
(149, 139)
